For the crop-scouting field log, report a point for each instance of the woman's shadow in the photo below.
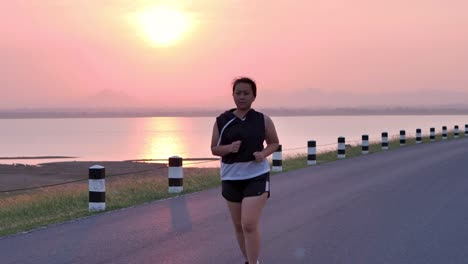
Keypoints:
(180, 216)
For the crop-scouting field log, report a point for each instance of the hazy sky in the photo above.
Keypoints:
(58, 53)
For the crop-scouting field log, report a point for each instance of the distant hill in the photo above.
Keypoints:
(143, 112)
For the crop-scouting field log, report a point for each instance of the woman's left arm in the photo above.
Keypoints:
(271, 139)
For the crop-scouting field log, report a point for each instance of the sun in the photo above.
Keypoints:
(162, 25)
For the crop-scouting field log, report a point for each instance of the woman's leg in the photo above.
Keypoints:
(252, 208)
(236, 215)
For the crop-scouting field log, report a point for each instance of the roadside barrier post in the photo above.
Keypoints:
(466, 130)
(311, 152)
(432, 136)
(97, 188)
(365, 144)
(455, 132)
(444, 132)
(384, 140)
(176, 175)
(341, 148)
(418, 136)
(402, 137)
(277, 159)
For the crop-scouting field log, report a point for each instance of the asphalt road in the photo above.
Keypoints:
(408, 205)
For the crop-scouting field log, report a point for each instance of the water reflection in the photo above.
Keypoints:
(189, 137)
(163, 138)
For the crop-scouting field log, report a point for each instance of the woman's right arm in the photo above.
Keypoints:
(222, 150)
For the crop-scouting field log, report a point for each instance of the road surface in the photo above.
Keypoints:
(408, 205)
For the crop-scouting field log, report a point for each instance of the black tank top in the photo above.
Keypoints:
(250, 130)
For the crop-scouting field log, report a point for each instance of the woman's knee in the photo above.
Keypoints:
(249, 226)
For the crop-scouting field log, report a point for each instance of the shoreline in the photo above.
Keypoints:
(17, 176)
(37, 157)
(20, 176)
(338, 111)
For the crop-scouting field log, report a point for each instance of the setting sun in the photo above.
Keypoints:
(162, 25)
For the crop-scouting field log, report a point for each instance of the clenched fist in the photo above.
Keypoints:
(235, 146)
(258, 156)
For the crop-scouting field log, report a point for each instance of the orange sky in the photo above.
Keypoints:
(302, 53)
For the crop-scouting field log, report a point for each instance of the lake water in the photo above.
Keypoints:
(114, 139)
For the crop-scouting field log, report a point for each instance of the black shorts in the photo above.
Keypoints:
(235, 190)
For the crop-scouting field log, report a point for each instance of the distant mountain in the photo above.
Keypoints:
(107, 98)
(318, 98)
(279, 111)
(108, 102)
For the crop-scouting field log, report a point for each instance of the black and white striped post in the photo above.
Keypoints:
(311, 152)
(466, 130)
(455, 132)
(418, 136)
(432, 136)
(402, 137)
(277, 159)
(365, 144)
(384, 140)
(444, 132)
(97, 188)
(341, 147)
(176, 175)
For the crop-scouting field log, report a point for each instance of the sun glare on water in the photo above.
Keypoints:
(162, 25)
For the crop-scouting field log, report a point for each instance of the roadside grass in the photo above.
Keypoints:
(52, 205)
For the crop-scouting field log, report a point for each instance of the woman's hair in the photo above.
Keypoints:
(245, 80)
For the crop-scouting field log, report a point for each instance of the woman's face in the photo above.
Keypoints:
(243, 96)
